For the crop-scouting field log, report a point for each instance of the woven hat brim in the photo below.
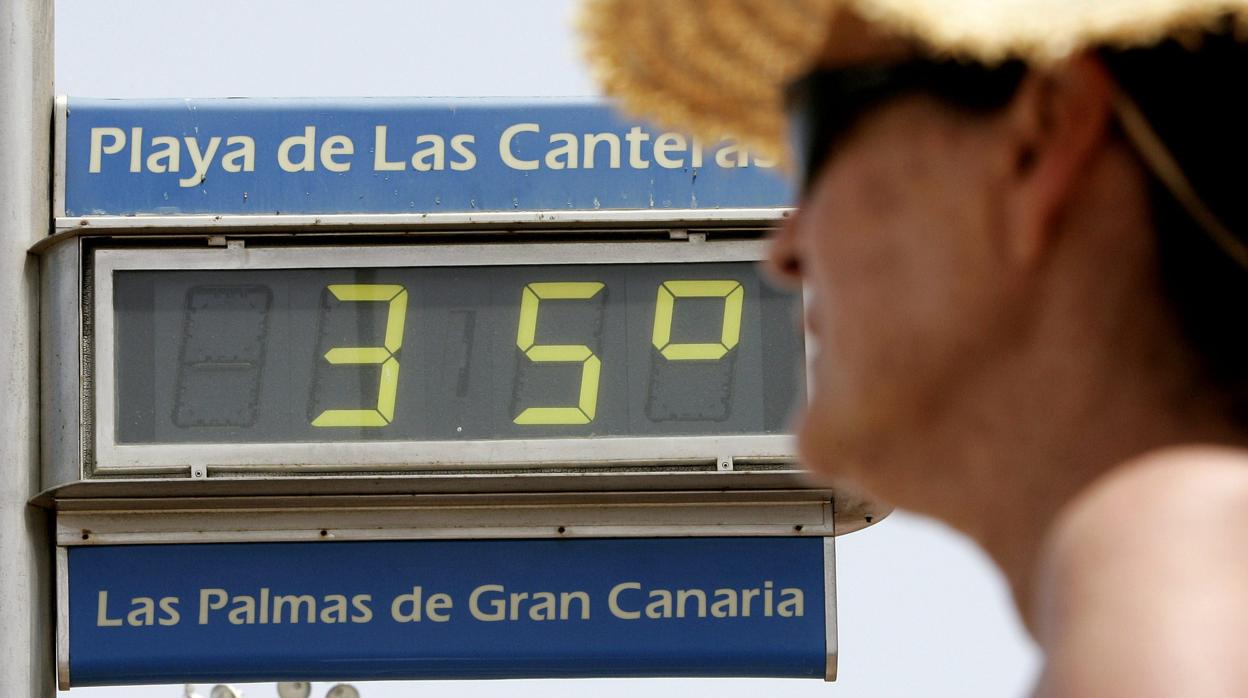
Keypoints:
(720, 67)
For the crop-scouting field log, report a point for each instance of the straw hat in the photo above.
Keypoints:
(714, 67)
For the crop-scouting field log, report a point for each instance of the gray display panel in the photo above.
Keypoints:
(452, 353)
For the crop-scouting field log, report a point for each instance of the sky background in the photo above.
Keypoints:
(921, 610)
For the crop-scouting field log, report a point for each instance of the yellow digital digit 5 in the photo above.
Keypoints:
(591, 367)
(664, 309)
(383, 413)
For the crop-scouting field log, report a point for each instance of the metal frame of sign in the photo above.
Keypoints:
(71, 477)
(481, 221)
(111, 457)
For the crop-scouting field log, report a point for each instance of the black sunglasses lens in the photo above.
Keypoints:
(826, 104)
(823, 107)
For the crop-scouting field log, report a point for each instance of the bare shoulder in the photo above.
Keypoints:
(1193, 483)
(1143, 589)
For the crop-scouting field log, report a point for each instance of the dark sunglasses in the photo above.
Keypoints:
(824, 105)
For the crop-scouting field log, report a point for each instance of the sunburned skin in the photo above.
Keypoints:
(1143, 577)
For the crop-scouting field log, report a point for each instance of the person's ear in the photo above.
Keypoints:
(784, 264)
(1055, 125)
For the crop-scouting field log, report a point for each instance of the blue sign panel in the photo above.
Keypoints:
(269, 156)
(447, 609)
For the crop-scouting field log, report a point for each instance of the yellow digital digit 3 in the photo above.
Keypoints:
(396, 314)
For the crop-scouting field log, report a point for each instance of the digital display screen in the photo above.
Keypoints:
(452, 353)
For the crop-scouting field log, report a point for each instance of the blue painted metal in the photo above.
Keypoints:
(472, 174)
(106, 648)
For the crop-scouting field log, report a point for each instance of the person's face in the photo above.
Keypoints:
(893, 246)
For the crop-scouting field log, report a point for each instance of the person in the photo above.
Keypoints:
(1022, 233)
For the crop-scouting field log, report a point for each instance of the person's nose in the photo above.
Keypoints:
(783, 261)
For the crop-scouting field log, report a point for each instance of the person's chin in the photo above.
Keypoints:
(826, 468)
(838, 445)
(823, 445)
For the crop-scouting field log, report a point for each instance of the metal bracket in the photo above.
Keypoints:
(221, 241)
(214, 519)
(684, 234)
(724, 463)
(199, 472)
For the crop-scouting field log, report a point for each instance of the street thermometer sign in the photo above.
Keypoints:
(440, 355)
(423, 388)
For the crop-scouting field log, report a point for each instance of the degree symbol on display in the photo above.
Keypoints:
(664, 311)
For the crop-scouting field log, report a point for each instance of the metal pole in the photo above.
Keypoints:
(26, 665)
